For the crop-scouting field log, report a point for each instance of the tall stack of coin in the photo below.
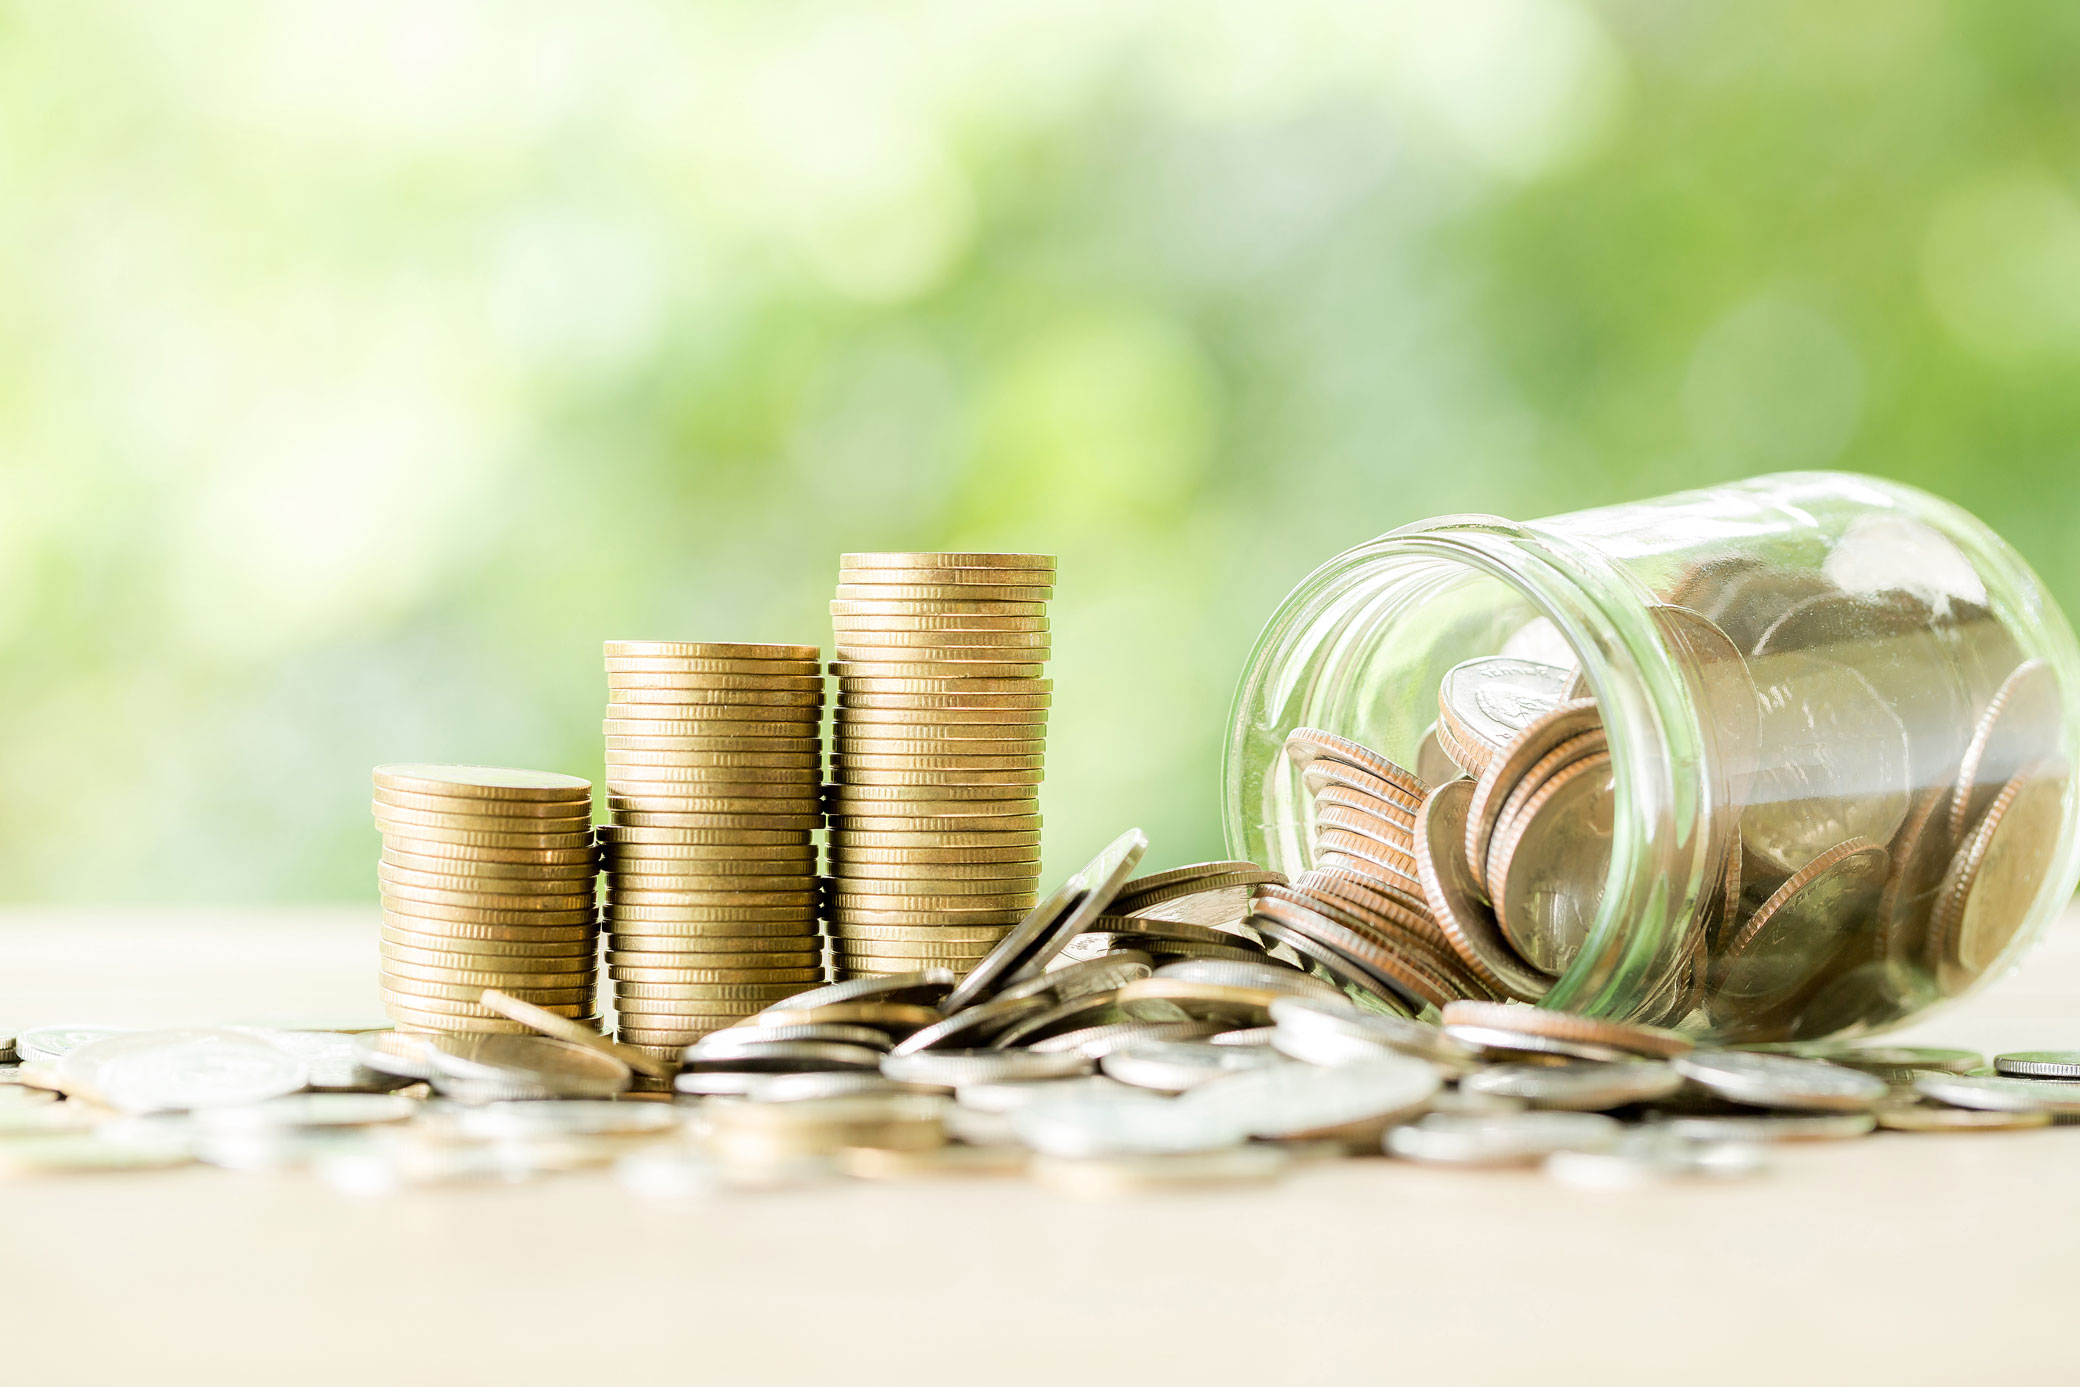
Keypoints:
(941, 727)
(487, 881)
(714, 779)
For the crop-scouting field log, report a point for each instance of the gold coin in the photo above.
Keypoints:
(578, 821)
(463, 984)
(707, 650)
(851, 867)
(462, 1001)
(751, 705)
(858, 588)
(843, 902)
(743, 798)
(852, 609)
(943, 645)
(740, 782)
(754, 669)
(802, 941)
(447, 807)
(537, 842)
(444, 1007)
(625, 886)
(1003, 798)
(846, 860)
(472, 853)
(942, 676)
(951, 839)
(655, 719)
(847, 778)
(904, 619)
(710, 991)
(638, 898)
(488, 948)
(754, 875)
(847, 918)
(779, 972)
(807, 682)
(575, 965)
(904, 560)
(480, 782)
(931, 720)
(619, 836)
(907, 961)
(576, 1033)
(707, 918)
(484, 916)
(734, 746)
(553, 876)
(758, 762)
(908, 826)
(435, 930)
(448, 875)
(856, 742)
(872, 700)
(480, 900)
(768, 828)
(411, 1020)
(407, 974)
(784, 856)
(845, 765)
(726, 967)
(872, 938)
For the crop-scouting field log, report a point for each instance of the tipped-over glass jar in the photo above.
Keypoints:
(1771, 761)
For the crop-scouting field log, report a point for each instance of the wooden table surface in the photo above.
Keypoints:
(1897, 1259)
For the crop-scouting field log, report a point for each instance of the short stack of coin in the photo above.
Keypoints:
(487, 881)
(940, 731)
(714, 783)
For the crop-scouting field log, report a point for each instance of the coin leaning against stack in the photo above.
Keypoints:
(714, 782)
(487, 880)
(940, 730)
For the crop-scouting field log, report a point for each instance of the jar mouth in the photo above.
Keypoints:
(1326, 628)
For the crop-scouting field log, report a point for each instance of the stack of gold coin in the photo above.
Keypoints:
(714, 782)
(487, 881)
(941, 728)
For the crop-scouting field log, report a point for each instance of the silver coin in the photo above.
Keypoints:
(1103, 1177)
(1087, 1125)
(179, 1070)
(1651, 1156)
(829, 1083)
(398, 1053)
(1317, 1022)
(1717, 1127)
(1577, 1086)
(581, 1117)
(1172, 1066)
(332, 1057)
(972, 1026)
(1288, 1100)
(783, 1057)
(1003, 1096)
(1096, 1042)
(1781, 1081)
(313, 1110)
(1887, 1061)
(49, 1042)
(1496, 697)
(2001, 1093)
(1500, 1139)
(724, 1084)
(1035, 940)
(1084, 978)
(953, 1068)
(2039, 1064)
(1274, 977)
(553, 1068)
(1495, 1041)
(927, 987)
(1248, 1036)
(737, 1037)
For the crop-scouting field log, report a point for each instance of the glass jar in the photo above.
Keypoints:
(1837, 714)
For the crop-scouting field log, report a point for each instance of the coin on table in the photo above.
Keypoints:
(1577, 1086)
(559, 1068)
(1040, 936)
(1994, 879)
(2001, 1093)
(1173, 1066)
(1728, 1127)
(2039, 1064)
(1781, 1081)
(176, 1070)
(1500, 1139)
(1457, 902)
(1625, 1037)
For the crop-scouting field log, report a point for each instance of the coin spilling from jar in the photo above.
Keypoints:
(1879, 814)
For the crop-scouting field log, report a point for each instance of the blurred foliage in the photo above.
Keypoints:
(366, 364)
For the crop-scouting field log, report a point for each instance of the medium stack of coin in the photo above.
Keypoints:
(940, 736)
(714, 781)
(487, 881)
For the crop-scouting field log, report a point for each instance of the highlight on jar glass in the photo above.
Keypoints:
(1771, 761)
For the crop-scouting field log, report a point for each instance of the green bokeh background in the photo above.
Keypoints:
(366, 364)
